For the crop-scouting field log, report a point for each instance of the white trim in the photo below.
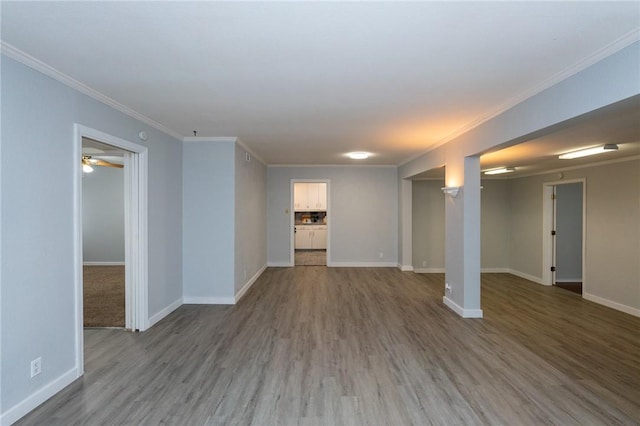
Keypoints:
(611, 304)
(164, 312)
(48, 70)
(464, 313)
(363, 265)
(429, 270)
(569, 280)
(103, 263)
(528, 277)
(280, 264)
(405, 268)
(22, 408)
(249, 283)
(208, 300)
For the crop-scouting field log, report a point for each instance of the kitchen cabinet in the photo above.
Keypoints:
(311, 237)
(310, 196)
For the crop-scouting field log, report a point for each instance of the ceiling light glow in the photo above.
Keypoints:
(87, 168)
(358, 155)
(500, 171)
(589, 151)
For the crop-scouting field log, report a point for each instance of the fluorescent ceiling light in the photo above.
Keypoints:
(358, 155)
(500, 171)
(589, 151)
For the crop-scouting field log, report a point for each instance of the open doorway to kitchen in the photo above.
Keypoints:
(310, 222)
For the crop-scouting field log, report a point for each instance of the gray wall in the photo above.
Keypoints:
(103, 215)
(612, 238)
(569, 232)
(208, 228)
(37, 270)
(363, 213)
(429, 225)
(250, 217)
(495, 231)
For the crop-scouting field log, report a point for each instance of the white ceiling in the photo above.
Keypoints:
(306, 82)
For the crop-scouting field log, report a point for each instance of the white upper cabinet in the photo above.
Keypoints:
(310, 196)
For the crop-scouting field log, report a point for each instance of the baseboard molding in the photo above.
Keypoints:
(164, 312)
(208, 300)
(249, 283)
(537, 280)
(464, 313)
(21, 409)
(611, 304)
(279, 264)
(363, 265)
(429, 270)
(568, 280)
(405, 268)
(102, 263)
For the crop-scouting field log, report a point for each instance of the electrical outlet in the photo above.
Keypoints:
(36, 367)
(381, 255)
(424, 263)
(447, 287)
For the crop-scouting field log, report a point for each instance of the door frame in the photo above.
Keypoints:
(292, 252)
(548, 221)
(136, 233)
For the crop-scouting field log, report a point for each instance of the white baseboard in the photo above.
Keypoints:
(249, 283)
(102, 263)
(464, 313)
(279, 264)
(22, 408)
(429, 270)
(164, 312)
(405, 268)
(537, 280)
(611, 304)
(208, 300)
(363, 265)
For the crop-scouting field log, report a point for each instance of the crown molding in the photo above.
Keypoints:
(626, 40)
(581, 166)
(351, 166)
(250, 151)
(36, 64)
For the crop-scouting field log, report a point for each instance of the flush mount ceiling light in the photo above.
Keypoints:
(358, 155)
(589, 151)
(500, 171)
(87, 168)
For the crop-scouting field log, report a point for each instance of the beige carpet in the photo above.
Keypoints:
(103, 296)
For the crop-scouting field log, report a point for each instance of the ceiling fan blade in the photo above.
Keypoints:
(103, 163)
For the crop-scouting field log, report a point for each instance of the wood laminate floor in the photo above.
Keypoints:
(364, 346)
(310, 257)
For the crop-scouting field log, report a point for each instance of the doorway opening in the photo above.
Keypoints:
(310, 222)
(134, 161)
(564, 230)
(103, 246)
